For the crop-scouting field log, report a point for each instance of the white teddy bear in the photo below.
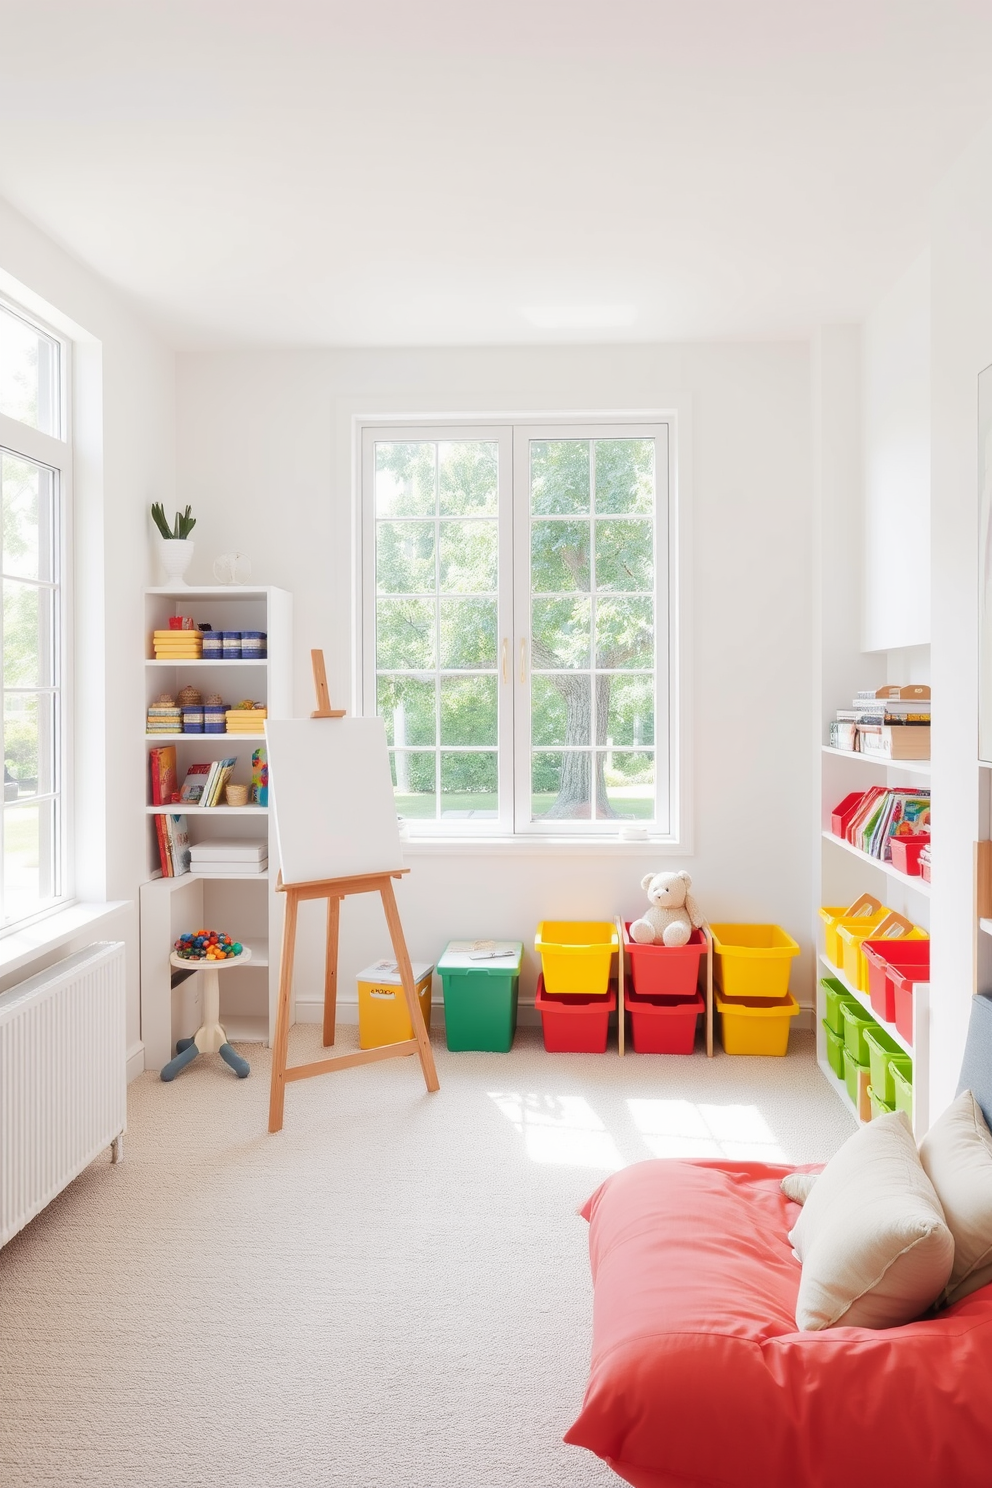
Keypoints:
(673, 912)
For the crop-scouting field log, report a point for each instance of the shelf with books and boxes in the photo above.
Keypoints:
(208, 858)
(885, 825)
(889, 724)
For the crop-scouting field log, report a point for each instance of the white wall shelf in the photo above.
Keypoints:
(912, 882)
(908, 767)
(246, 906)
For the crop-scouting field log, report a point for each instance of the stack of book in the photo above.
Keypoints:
(204, 784)
(246, 720)
(177, 645)
(890, 722)
(236, 858)
(870, 819)
(164, 720)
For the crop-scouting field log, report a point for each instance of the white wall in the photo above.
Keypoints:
(896, 422)
(124, 427)
(264, 452)
(961, 247)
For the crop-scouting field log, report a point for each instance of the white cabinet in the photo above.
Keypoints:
(247, 908)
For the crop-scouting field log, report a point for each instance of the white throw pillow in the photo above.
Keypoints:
(871, 1236)
(956, 1154)
(796, 1186)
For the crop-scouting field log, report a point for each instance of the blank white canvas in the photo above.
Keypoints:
(331, 796)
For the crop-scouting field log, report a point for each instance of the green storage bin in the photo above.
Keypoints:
(901, 1071)
(835, 1050)
(879, 1107)
(480, 995)
(852, 1073)
(836, 994)
(881, 1047)
(856, 1020)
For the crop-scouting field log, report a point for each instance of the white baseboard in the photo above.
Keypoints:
(135, 1061)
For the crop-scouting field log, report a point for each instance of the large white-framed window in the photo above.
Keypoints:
(516, 623)
(35, 472)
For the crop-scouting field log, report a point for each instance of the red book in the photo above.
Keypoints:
(165, 786)
(162, 837)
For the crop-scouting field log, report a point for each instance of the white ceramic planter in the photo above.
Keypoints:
(175, 555)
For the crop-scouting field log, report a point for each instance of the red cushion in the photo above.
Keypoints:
(699, 1378)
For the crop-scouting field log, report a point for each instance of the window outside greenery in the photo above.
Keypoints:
(572, 692)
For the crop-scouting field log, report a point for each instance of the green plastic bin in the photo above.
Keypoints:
(856, 1020)
(881, 1047)
(835, 1050)
(853, 1070)
(879, 1107)
(901, 1071)
(480, 994)
(835, 994)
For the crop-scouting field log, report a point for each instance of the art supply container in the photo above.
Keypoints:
(231, 644)
(663, 1025)
(383, 1015)
(834, 915)
(576, 956)
(887, 962)
(756, 1025)
(906, 852)
(574, 1024)
(881, 1048)
(856, 1020)
(894, 927)
(752, 960)
(665, 971)
(480, 982)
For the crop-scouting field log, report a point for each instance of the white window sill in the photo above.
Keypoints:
(439, 847)
(23, 946)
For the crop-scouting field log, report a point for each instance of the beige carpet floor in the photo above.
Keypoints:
(391, 1293)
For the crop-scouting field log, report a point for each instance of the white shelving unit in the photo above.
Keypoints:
(845, 873)
(247, 907)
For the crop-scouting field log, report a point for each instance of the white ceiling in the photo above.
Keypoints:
(437, 172)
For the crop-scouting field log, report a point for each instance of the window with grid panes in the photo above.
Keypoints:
(516, 624)
(34, 471)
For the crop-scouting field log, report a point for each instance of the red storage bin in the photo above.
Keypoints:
(887, 960)
(905, 982)
(574, 1025)
(841, 815)
(665, 971)
(663, 1025)
(906, 852)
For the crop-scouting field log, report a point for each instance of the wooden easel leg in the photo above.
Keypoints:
(331, 970)
(406, 973)
(277, 1093)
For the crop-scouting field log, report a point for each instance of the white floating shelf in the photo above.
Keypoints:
(198, 738)
(198, 661)
(231, 877)
(910, 767)
(181, 808)
(865, 1001)
(919, 884)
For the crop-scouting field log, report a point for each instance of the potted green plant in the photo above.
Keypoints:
(175, 550)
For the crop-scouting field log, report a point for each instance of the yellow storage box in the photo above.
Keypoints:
(867, 908)
(383, 1016)
(576, 956)
(892, 927)
(752, 960)
(756, 1026)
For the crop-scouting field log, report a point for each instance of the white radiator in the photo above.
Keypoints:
(63, 1078)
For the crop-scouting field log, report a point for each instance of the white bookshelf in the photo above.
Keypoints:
(898, 767)
(910, 881)
(244, 905)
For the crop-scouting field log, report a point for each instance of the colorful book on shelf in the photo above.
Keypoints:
(177, 832)
(861, 814)
(162, 841)
(259, 776)
(162, 767)
(222, 774)
(193, 786)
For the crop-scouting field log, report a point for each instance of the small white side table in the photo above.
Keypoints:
(210, 1037)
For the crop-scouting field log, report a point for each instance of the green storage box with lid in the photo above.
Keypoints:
(480, 981)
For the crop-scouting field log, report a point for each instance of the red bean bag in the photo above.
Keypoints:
(700, 1379)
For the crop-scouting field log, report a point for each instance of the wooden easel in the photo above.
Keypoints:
(334, 890)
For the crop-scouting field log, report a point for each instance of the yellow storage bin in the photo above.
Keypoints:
(755, 1026)
(383, 1016)
(576, 956)
(892, 927)
(867, 909)
(753, 960)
